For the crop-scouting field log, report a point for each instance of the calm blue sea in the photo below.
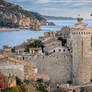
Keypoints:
(13, 38)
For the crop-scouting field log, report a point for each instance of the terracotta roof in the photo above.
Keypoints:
(35, 48)
(6, 47)
(51, 40)
(19, 47)
(42, 76)
(21, 62)
(50, 48)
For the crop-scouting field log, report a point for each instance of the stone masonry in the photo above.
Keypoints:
(81, 54)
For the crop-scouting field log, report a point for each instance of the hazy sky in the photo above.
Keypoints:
(71, 8)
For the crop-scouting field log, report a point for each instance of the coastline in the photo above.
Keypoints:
(10, 29)
(15, 29)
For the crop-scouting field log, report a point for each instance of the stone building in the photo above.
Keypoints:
(35, 50)
(51, 44)
(81, 59)
(7, 48)
(53, 49)
(81, 37)
(7, 67)
(21, 68)
(64, 32)
(49, 35)
(19, 49)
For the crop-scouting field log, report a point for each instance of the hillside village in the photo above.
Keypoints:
(62, 59)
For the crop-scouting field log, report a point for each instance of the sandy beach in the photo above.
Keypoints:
(15, 29)
(10, 29)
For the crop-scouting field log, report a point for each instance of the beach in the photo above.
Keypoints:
(10, 29)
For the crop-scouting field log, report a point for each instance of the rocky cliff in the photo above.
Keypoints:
(12, 15)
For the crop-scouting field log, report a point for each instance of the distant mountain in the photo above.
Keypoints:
(12, 15)
(57, 18)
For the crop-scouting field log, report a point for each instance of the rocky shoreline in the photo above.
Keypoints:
(15, 29)
(14, 16)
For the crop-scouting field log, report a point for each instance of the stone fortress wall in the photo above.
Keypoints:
(57, 66)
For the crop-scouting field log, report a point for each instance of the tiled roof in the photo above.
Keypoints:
(35, 48)
(42, 76)
(6, 47)
(51, 40)
(20, 61)
(50, 47)
(19, 47)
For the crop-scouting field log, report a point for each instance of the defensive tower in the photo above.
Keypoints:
(81, 36)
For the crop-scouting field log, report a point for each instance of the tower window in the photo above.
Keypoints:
(91, 80)
(59, 50)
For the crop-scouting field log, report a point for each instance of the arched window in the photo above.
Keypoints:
(53, 50)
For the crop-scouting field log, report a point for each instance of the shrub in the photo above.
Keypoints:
(36, 44)
(12, 89)
(3, 81)
(18, 81)
(41, 86)
(24, 87)
(64, 41)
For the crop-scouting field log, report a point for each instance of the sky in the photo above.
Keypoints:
(66, 8)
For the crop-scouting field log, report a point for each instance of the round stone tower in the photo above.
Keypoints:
(81, 53)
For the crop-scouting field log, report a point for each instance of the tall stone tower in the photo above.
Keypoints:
(81, 53)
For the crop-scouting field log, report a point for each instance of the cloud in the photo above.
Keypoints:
(18, 0)
(57, 7)
(42, 1)
(49, 9)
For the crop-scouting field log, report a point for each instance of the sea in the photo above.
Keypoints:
(13, 38)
